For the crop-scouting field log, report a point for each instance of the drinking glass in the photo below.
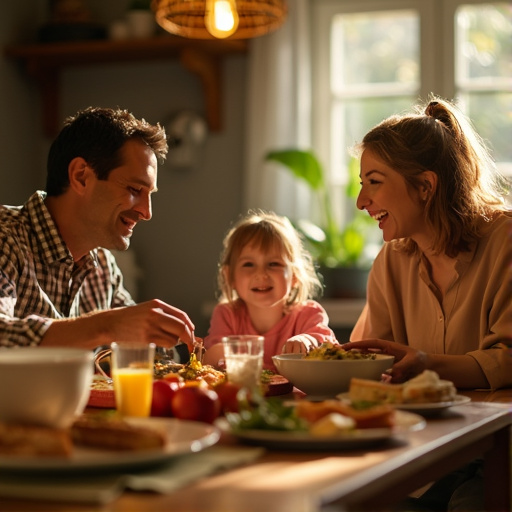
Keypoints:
(132, 373)
(243, 355)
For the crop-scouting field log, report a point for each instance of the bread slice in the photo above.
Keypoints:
(426, 387)
(363, 390)
(115, 434)
(34, 441)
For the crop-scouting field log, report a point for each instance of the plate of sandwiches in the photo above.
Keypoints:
(101, 442)
(424, 394)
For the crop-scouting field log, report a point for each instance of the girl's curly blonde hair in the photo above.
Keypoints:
(266, 230)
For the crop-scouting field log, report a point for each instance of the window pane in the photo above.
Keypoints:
(484, 41)
(374, 48)
(490, 113)
(352, 119)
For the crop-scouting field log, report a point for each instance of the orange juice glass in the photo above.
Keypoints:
(132, 372)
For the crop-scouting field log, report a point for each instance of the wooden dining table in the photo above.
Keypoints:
(371, 477)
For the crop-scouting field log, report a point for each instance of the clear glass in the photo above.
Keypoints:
(132, 373)
(243, 355)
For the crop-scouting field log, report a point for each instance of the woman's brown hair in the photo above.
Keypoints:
(438, 137)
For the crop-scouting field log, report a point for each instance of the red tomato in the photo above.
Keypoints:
(163, 391)
(196, 403)
(227, 392)
(173, 377)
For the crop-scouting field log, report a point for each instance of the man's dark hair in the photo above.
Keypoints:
(97, 135)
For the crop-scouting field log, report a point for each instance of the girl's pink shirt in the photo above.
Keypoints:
(308, 318)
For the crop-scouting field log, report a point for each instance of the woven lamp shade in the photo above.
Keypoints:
(186, 17)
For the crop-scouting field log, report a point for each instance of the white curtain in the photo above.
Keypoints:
(279, 111)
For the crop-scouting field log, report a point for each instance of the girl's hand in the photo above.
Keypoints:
(409, 362)
(300, 344)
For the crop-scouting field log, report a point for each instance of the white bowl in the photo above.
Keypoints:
(327, 378)
(44, 385)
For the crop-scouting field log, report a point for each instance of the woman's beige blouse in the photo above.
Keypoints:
(474, 317)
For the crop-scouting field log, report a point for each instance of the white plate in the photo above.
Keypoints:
(434, 406)
(405, 422)
(422, 408)
(182, 437)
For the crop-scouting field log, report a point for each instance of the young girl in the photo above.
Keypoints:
(267, 281)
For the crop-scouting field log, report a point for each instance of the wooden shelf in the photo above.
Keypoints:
(44, 63)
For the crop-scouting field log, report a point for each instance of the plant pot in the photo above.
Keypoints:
(344, 282)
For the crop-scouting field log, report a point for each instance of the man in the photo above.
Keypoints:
(59, 283)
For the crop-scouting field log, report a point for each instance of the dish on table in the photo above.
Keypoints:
(404, 422)
(182, 437)
(102, 393)
(102, 390)
(321, 379)
(422, 408)
(433, 406)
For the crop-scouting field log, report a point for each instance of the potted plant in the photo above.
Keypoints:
(341, 253)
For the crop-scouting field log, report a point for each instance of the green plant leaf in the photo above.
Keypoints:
(353, 185)
(329, 245)
(303, 164)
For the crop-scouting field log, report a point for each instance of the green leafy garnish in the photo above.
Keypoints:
(256, 412)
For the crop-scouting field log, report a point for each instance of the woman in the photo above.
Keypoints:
(439, 292)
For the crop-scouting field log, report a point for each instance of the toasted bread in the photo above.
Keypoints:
(115, 434)
(34, 441)
(364, 390)
(426, 387)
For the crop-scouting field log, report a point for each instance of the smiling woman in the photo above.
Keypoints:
(429, 181)
(439, 291)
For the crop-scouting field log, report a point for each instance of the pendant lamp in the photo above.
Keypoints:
(210, 19)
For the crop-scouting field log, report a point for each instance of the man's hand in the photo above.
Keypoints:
(153, 321)
(149, 322)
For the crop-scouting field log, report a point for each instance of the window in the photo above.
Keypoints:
(375, 58)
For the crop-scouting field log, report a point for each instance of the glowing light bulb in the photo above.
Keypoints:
(221, 18)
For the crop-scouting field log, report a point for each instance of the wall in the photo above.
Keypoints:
(179, 248)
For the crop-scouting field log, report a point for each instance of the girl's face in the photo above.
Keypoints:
(387, 198)
(262, 279)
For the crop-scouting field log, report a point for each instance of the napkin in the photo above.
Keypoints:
(166, 478)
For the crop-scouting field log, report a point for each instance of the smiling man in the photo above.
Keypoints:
(59, 282)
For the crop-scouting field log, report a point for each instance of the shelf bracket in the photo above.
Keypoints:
(48, 81)
(207, 67)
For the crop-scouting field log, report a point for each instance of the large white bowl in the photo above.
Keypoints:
(327, 378)
(44, 385)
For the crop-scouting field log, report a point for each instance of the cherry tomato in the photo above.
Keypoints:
(163, 392)
(227, 392)
(173, 377)
(196, 403)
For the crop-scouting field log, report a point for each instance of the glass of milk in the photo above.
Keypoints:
(243, 355)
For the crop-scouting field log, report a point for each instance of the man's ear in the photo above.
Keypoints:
(429, 184)
(78, 173)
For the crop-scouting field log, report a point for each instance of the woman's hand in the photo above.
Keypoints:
(409, 362)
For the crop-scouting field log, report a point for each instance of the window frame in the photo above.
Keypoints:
(437, 66)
